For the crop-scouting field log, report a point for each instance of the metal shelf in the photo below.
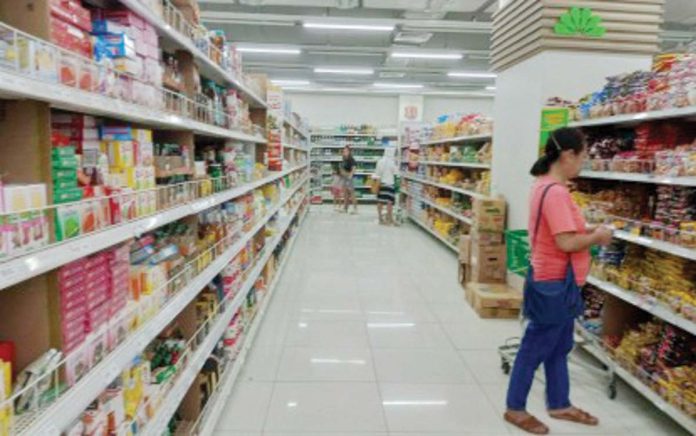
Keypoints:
(25, 267)
(293, 126)
(208, 68)
(352, 147)
(483, 137)
(72, 99)
(70, 405)
(339, 159)
(482, 166)
(433, 232)
(356, 135)
(166, 410)
(600, 354)
(445, 186)
(650, 305)
(656, 244)
(443, 209)
(217, 402)
(295, 147)
(640, 178)
(632, 119)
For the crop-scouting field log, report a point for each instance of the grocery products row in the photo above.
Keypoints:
(367, 144)
(113, 303)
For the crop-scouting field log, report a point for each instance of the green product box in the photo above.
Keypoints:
(62, 185)
(66, 195)
(69, 162)
(68, 220)
(64, 174)
(59, 152)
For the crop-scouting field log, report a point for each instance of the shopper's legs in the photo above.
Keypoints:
(556, 370)
(379, 211)
(390, 212)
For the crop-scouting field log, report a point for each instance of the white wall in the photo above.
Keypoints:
(379, 110)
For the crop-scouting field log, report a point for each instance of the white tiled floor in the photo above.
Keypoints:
(369, 334)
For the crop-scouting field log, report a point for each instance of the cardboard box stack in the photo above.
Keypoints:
(482, 258)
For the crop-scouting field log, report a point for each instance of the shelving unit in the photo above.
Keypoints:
(463, 191)
(626, 305)
(457, 164)
(449, 212)
(432, 232)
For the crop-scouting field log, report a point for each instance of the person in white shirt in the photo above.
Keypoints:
(385, 175)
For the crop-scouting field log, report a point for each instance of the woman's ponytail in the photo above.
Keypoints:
(541, 166)
(560, 140)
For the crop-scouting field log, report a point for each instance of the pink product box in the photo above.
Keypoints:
(69, 270)
(97, 317)
(96, 260)
(77, 302)
(72, 331)
(153, 52)
(150, 35)
(116, 305)
(70, 346)
(66, 120)
(73, 290)
(76, 315)
(125, 18)
(98, 271)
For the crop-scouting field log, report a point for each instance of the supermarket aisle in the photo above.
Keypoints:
(369, 334)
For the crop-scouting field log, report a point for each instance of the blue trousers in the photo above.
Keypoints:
(550, 345)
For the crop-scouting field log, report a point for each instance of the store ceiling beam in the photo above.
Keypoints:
(443, 26)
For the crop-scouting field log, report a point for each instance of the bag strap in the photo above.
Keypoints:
(539, 213)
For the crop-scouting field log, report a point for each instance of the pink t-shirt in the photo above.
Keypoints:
(559, 215)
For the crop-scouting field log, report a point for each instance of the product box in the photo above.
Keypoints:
(103, 27)
(464, 248)
(38, 59)
(486, 238)
(120, 154)
(487, 264)
(71, 11)
(493, 300)
(489, 215)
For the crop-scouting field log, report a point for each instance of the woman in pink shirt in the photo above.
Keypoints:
(560, 263)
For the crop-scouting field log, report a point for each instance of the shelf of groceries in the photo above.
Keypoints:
(468, 192)
(85, 383)
(427, 228)
(448, 211)
(85, 85)
(640, 300)
(456, 164)
(26, 265)
(173, 26)
(457, 139)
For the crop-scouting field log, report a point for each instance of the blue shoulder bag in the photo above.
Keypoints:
(551, 302)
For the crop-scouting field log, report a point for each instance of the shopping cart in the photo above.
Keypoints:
(518, 262)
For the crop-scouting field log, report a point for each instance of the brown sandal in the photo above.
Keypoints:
(527, 423)
(573, 414)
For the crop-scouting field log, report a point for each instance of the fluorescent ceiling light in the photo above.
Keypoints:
(362, 71)
(289, 82)
(398, 85)
(490, 88)
(421, 55)
(269, 50)
(346, 26)
(472, 75)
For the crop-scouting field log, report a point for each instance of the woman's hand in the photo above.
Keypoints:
(602, 235)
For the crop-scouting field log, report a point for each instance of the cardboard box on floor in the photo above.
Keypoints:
(489, 215)
(487, 264)
(493, 300)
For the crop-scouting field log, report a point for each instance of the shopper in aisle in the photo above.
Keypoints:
(385, 176)
(337, 188)
(347, 169)
(560, 263)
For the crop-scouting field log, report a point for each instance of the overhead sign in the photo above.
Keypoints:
(580, 22)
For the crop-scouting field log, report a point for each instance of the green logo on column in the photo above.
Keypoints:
(580, 21)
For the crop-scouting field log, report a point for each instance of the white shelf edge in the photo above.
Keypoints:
(339, 159)
(432, 232)
(22, 268)
(442, 209)
(657, 308)
(656, 244)
(355, 135)
(166, 410)
(352, 147)
(677, 415)
(230, 376)
(481, 137)
(68, 98)
(58, 416)
(635, 118)
(482, 166)
(640, 178)
(444, 186)
(295, 147)
(208, 66)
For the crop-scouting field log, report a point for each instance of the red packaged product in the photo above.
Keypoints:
(124, 17)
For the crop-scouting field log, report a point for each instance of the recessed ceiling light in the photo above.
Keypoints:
(398, 85)
(346, 26)
(422, 55)
(269, 50)
(472, 75)
(361, 71)
(289, 82)
(490, 88)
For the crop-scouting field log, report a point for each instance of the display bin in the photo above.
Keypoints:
(518, 251)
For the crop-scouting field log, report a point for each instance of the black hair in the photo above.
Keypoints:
(560, 140)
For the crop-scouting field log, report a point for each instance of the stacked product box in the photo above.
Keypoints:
(93, 291)
(23, 222)
(132, 46)
(70, 28)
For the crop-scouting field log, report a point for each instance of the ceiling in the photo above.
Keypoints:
(460, 27)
